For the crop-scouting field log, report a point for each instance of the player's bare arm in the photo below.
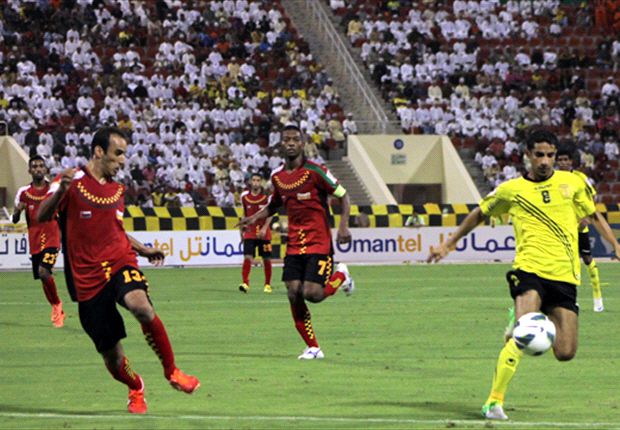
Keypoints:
(262, 233)
(245, 221)
(603, 228)
(470, 222)
(344, 234)
(154, 255)
(17, 212)
(49, 205)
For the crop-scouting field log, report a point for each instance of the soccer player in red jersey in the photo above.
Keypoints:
(44, 237)
(256, 235)
(302, 187)
(103, 263)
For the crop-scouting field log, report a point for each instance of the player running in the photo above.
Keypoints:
(256, 235)
(565, 162)
(43, 237)
(545, 206)
(103, 263)
(302, 187)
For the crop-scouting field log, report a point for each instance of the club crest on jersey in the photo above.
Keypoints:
(86, 214)
(304, 196)
(565, 190)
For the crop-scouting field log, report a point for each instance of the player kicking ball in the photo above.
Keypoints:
(104, 267)
(546, 206)
(302, 187)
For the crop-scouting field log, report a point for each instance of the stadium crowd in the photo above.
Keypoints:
(482, 72)
(201, 87)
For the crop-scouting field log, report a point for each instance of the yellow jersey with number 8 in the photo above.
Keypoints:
(545, 216)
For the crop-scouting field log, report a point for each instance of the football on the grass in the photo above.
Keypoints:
(534, 333)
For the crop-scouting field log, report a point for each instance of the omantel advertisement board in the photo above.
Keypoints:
(369, 245)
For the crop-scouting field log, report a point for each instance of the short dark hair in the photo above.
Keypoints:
(36, 158)
(256, 174)
(291, 126)
(102, 137)
(538, 135)
(567, 150)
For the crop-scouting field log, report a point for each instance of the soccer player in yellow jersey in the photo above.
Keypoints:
(545, 207)
(564, 161)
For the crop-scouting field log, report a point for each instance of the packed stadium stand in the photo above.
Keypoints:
(202, 86)
(482, 72)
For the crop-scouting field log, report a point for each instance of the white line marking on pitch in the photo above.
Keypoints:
(316, 419)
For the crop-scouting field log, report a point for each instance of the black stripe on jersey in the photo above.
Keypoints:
(590, 191)
(552, 225)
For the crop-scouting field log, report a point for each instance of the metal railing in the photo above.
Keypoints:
(378, 127)
(350, 67)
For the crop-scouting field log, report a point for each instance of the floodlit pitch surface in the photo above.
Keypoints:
(414, 347)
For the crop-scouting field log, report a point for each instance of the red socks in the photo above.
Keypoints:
(126, 375)
(267, 266)
(333, 284)
(49, 288)
(245, 271)
(156, 336)
(303, 323)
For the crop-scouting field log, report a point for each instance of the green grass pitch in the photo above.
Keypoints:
(414, 347)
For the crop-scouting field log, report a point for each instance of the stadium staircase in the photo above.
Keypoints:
(310, 16)
(329, 45)
(343, 170)
(5, 215)
(475, 171)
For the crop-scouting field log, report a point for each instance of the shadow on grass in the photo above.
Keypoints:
(37, 326)
(267, 356)
(59, 413)
(55, 411)
(457, 410)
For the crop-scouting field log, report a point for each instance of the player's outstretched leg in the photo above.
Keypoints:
(268, 269)
(595, 282)
(507, 363)
(121, 371)
(51, 294)
(340, 279)
(510, 326)
(156, 336)
(303, 324)
(244, 286)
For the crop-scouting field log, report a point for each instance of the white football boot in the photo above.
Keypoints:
(348, 285)
(311, 353)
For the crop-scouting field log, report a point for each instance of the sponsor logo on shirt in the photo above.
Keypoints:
(565, 190)
(86, 214)
(304, 196)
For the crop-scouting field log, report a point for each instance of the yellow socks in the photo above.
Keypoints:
(507, 363)
(595, 281)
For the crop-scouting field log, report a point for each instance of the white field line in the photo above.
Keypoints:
(303, 419)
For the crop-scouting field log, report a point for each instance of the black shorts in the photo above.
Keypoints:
(316, 268)
(99, 316)
(553, 293)
(584, 244)
(46, 258)
(250, 246)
